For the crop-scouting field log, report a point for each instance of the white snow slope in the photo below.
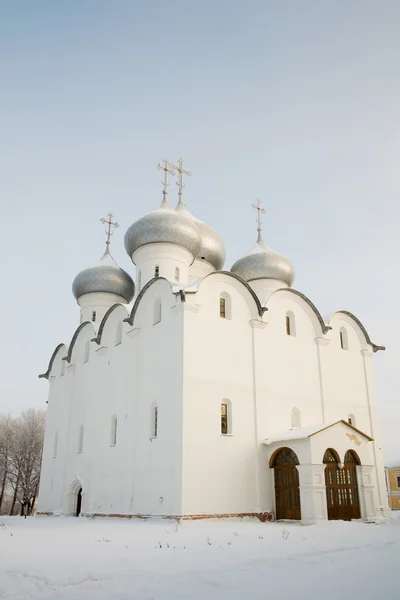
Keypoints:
(69, 558)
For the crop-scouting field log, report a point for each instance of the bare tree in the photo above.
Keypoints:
(26, 457)
(6, 431)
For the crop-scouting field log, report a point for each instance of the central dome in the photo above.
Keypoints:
(264, 263)
(212, 247)
(164, 225)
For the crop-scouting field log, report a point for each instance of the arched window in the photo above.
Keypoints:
(80, 439)
(118, 334)
(225, 306)
(139, 280)
(284, 456)
(351, 458)
(344, 344)
(290, 324)
(296, 417)
(94, 316)
(226, 417)
(331, 456)
(351, 420)
(55, 446)
(156, 271)
(154, 421)
(157, 311)
(114, 423)
(177, 273)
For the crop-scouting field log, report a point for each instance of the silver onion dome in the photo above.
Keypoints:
(163, 225)
(264, 263)
(212, 247)
(105, 276)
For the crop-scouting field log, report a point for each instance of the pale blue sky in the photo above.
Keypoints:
(295, 102)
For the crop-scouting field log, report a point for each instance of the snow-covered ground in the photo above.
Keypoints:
(70, 558)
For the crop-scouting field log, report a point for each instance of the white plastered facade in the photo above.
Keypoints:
(182, 367)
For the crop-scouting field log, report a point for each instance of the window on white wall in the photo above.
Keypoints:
(344, 344)
(154, 424)
(118, 334)
(80, 439)
(351, 420)
(55, 446)
(290, 324)
(157, 311)
(296, 417)
(156, 271)
(225, 306)
(226, 417)
(177, 273)
(114, 425)
(93, 316)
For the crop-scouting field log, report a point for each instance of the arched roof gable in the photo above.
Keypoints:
(310, 305)
(360, 327)
(75, 337)
(260, 309)
(140, 296)
(46, 375)
(104, 320)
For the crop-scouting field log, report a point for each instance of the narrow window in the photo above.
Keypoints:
(139, 281)
(287, 324)
(224, 418)
(55, 447)
(156, 271)
(351, 420)
(398, 482)
(296, 417)
(157, 311)
(343, 339)
(118, 334)
(155, 421)
(290, 324)
(93, 316)
(80, 439)
(177, 272)
(114, 424)
(222, 308)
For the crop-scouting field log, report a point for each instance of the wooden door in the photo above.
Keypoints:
(341, 487)
(287, 491)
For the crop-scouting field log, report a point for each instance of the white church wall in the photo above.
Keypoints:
(218, 470)
(173, 263)
(95, 305)
(158, 460)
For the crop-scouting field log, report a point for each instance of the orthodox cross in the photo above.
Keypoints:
(179, 183)
(110, 223)
(260, 211)
(167, 168)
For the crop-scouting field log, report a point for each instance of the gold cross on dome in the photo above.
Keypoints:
(181, 171)
(110, 224)
(260, 211)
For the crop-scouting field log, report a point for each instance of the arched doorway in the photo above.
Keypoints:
(287, 491)
(341, 486)
(79, 502)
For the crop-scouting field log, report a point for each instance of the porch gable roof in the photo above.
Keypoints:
(300, 433)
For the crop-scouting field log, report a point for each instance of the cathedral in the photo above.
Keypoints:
(203, 392)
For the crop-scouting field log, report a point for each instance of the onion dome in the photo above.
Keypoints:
(105, 276)
(163, 225)
(212, 247)
(264, 263)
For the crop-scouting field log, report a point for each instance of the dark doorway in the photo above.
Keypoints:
(287, 491)
(79, 502)
(341, 486)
